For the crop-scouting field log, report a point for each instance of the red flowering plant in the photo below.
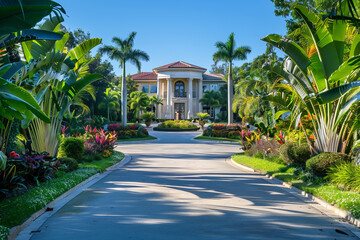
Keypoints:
(98, 140)
(33, 168)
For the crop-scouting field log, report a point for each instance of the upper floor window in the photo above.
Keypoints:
(179, 89)
(153, 89)
(145, 88)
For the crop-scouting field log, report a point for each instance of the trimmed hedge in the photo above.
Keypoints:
(73, 147)
(321, 163)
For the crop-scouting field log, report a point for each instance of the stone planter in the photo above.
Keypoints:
(148, 123)
(202, 123)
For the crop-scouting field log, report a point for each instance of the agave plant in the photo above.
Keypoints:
(325, 86)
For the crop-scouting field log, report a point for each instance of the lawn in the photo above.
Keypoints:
(136, 139)
(16, 210)
(217, 139)
(346, 200)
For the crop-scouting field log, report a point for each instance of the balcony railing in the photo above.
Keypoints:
(180, 94)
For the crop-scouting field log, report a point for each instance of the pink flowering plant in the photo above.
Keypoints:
(98, 140)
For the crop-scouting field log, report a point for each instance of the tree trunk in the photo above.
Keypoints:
(123, 97)
(230, 95)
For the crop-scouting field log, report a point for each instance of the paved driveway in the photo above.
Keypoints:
(179, 188)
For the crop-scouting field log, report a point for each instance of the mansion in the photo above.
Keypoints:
(181, 85)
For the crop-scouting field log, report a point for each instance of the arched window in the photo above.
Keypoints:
(179, 89)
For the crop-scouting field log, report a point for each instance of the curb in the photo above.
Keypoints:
(335, 210)
(32, 224)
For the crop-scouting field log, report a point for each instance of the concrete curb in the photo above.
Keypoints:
(25, 230)
(335, 210)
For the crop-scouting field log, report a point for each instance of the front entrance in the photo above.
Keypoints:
(179, 110)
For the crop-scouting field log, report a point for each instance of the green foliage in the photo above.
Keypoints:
(292, 152)
(3, 161)
(321, 163)
(69, 164)
(73, 147)
(346, 175)
(202, 115)
(176, 125)
(4, 232)
(148, 116)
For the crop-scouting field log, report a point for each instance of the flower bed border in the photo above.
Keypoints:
(175, 129)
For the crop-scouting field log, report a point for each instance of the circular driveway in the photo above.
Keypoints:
(179, 188)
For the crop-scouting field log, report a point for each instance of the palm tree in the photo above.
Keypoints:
(123, 51)
(228, 52)
(155, 101)
(110, 101)
(139, 101)
(211, 99)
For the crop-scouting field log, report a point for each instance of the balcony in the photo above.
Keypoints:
(180, 94)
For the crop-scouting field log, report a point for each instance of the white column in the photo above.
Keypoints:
(200, 94)
(190, 99)
(168, 99)
(157, 110)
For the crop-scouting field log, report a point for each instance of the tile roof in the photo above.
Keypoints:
(212, 76)
(144, 76)
(179, 64)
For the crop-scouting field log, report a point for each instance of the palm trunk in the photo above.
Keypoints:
(108, 114)
(123, 97)
(230, 94)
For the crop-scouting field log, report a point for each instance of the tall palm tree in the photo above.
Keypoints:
(212, 100)
(123, 52)
(110, 101)
(227, 52)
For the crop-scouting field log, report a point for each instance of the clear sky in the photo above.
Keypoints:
(170, 31)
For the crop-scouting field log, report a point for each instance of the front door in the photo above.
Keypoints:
(179, 111)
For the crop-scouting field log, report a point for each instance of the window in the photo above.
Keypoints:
(145, 88)
(153, 89)
(179, 89)
(205, 88)
(213, 87)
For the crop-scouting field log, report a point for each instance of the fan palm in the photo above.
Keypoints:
(123, 52)
(228, 52)
(111, 101)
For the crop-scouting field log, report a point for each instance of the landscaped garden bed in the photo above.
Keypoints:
(29, 181)
(133, 131)
(176, 126)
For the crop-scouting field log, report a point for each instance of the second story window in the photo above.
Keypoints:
(179, 89)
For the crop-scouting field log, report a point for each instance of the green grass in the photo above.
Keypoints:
(218, 139)
(16, 210)
(104, 163)
(136, 139)
(176, 129)
(346, 200)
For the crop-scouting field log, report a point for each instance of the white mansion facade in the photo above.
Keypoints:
(181, 85)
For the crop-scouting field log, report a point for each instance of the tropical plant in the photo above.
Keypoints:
(202, 116)
(155, 101)
(98, 140)
(148, 117)
(55, 77)
(123, 52)
(211, 99)
(228, 52)
(139, 101)
(324, 86)
(111, 101)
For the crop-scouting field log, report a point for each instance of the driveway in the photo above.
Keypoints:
(179, 188)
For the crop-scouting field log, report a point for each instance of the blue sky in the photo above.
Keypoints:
(176, 30)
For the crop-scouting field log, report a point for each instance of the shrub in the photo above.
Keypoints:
(73, 147)
(92, 156)
(70, 164)
(294, 153)
(176, 125)
(321, 163)
(346, 175)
